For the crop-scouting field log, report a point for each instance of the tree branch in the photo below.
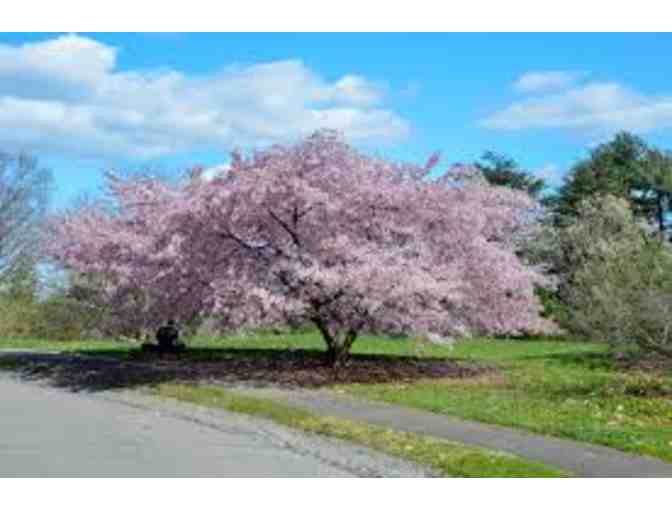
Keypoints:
(256, 250)
(286, 227)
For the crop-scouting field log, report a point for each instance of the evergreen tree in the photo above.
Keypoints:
(613, 168)
(653, 198)
(501, 170)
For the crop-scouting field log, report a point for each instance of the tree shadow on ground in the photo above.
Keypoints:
(101, 370)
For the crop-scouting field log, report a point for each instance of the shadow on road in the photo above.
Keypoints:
(101, 370)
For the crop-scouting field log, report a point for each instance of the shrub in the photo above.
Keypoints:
(55, 318)
(621, 288)
(553, 306)
(17, 318)
(59, 318)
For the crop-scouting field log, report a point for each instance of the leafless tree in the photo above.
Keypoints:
(24, 193)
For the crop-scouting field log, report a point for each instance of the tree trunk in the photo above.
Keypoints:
(337, 356)
(338, 345)
(660, 213)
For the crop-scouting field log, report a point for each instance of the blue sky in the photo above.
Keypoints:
(88, 102)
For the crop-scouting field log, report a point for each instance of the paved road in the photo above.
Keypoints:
(50, 432)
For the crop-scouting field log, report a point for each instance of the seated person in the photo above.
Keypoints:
(167, 338)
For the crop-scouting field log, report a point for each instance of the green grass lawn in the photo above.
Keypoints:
(559, 388)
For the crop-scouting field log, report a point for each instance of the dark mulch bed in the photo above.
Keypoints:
(259, 367)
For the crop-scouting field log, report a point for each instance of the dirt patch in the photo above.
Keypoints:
(293, 368)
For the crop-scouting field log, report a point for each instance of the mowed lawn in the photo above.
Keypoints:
(561, 388)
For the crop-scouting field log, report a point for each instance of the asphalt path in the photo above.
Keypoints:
(52, 432)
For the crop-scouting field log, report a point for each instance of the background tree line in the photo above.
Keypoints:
(605, 237)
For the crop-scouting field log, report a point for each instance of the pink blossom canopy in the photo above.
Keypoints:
(314, 232)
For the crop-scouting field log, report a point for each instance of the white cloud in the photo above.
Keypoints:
(65, 95)
(598, 108)
(544, 81)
